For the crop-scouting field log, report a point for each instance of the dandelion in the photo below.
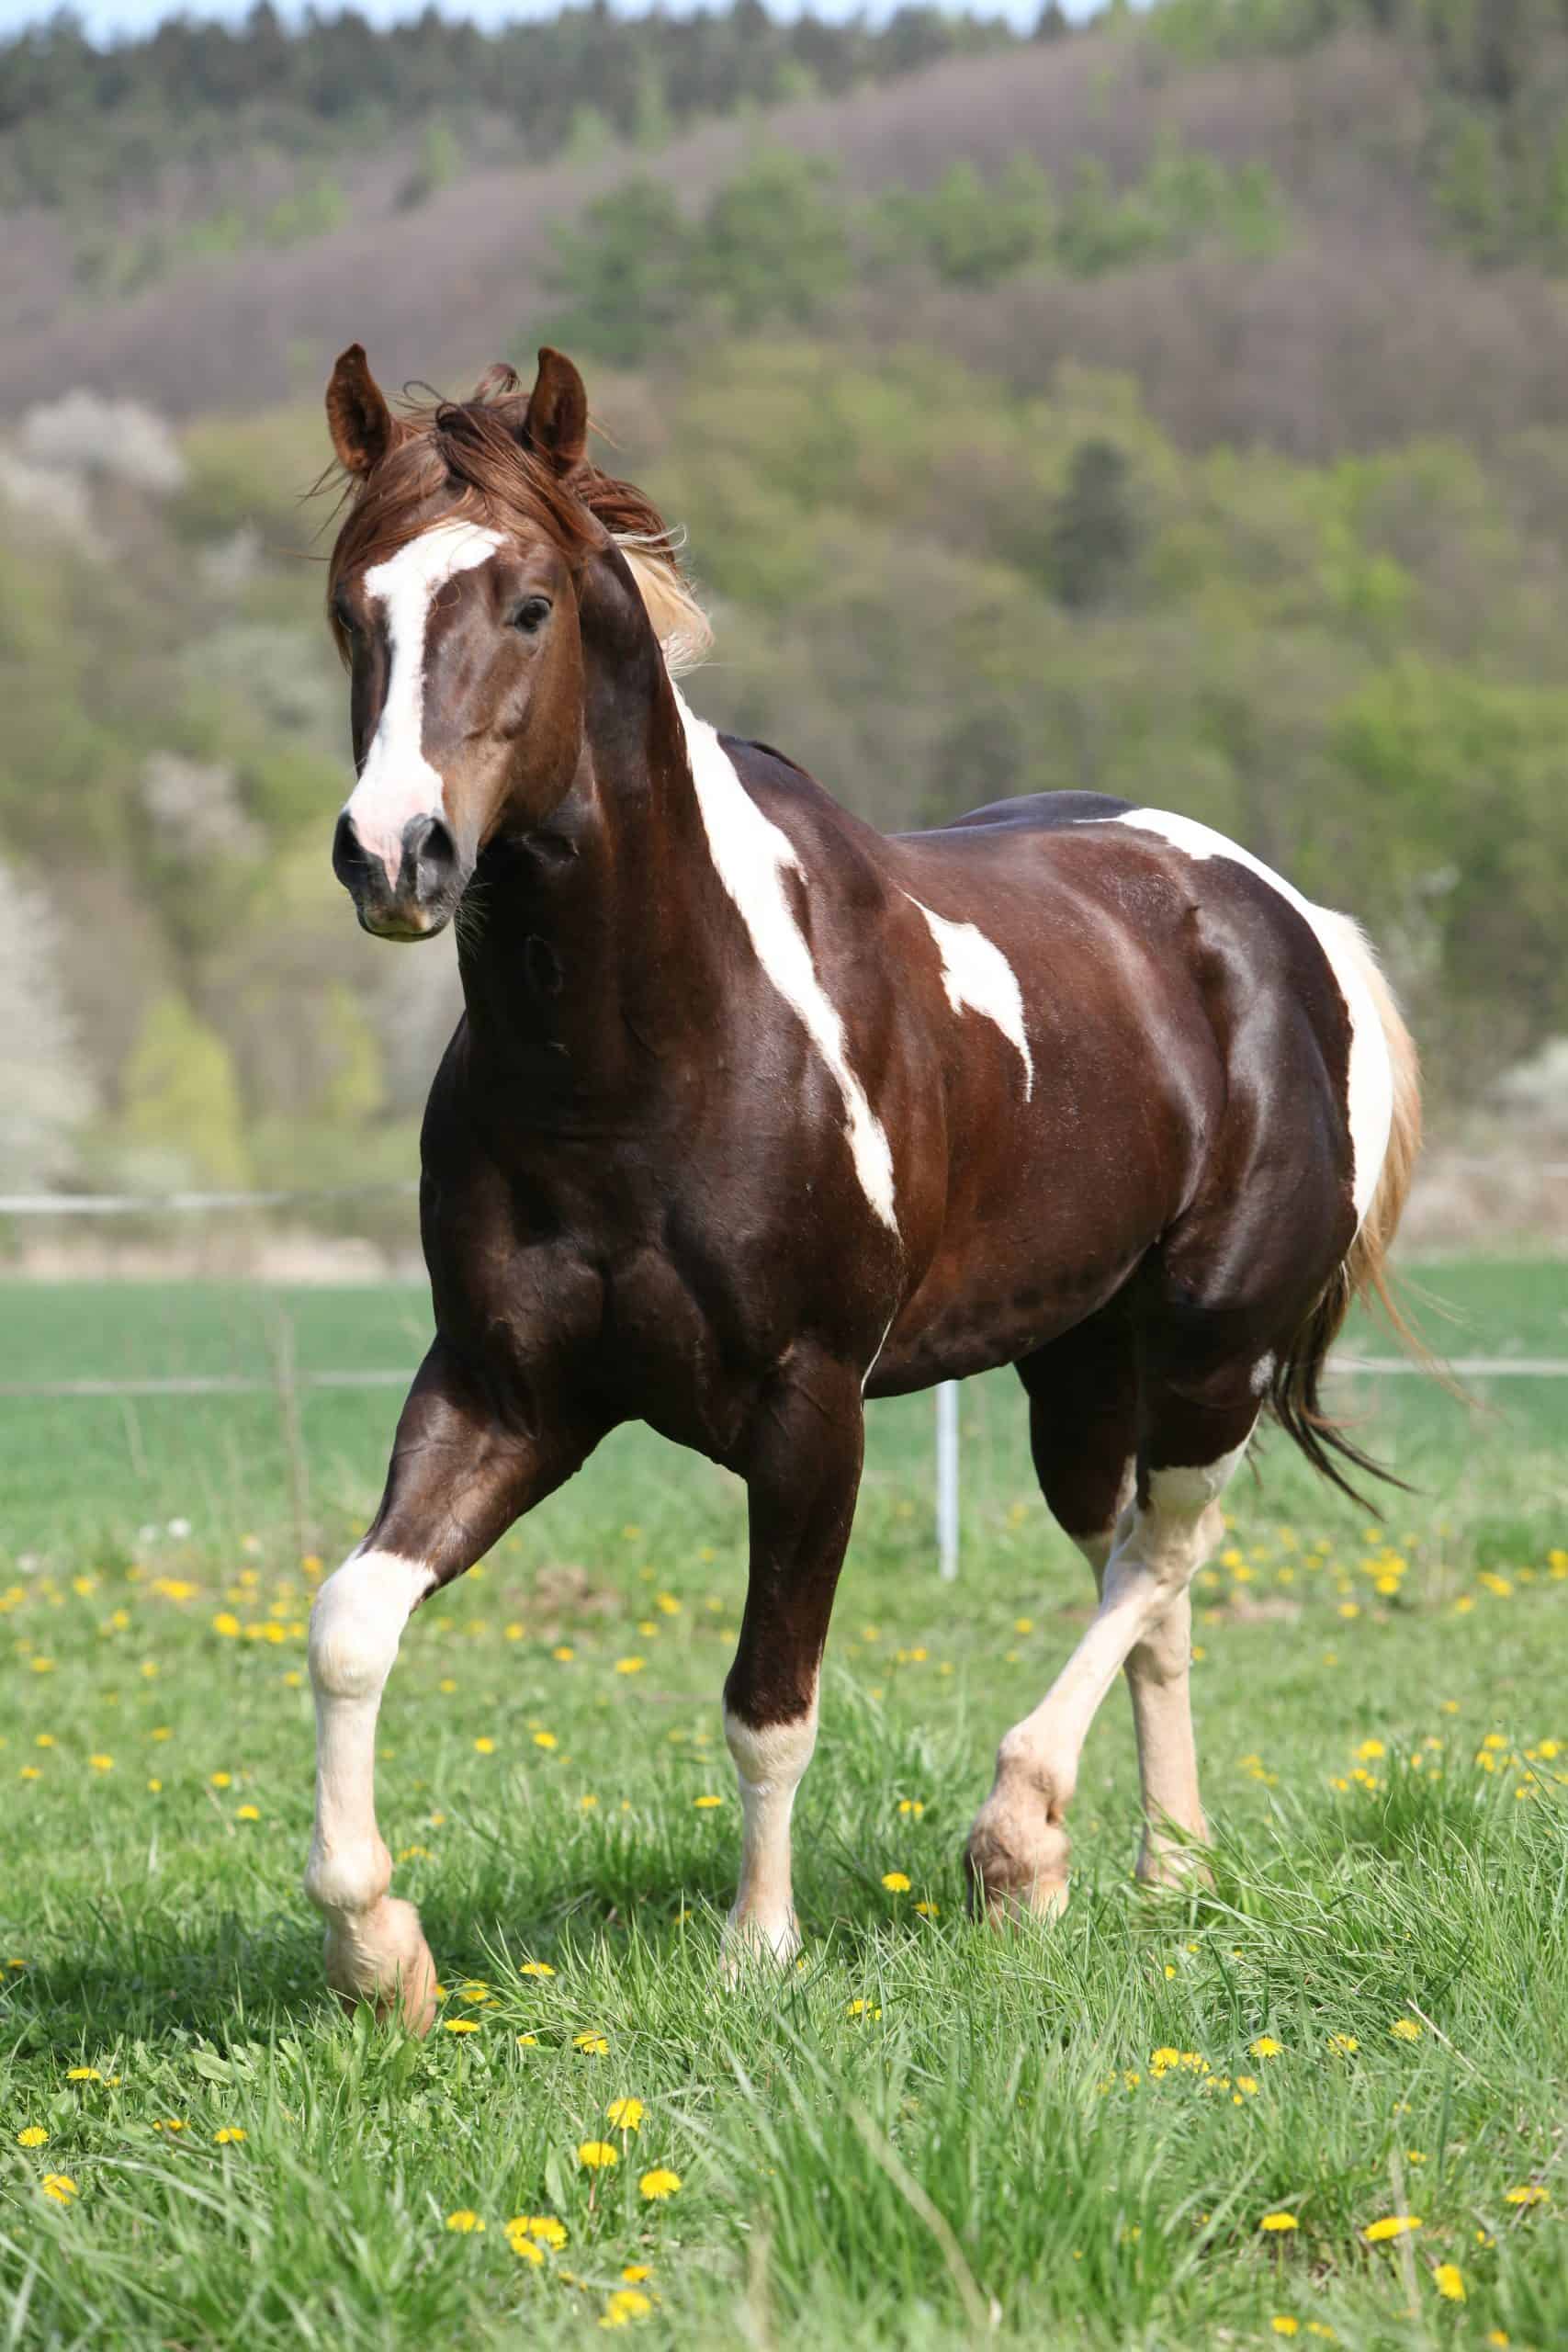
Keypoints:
(228, 1624)
(1448, 2280)
(527, 2042)
(1346, 2044)
(230, 2136)
(658, 2184)
(929, 1910)
(543, 2226)
(563, 1654)
(484, 1748)
(1532, 2194)
(630, 1664)
(862, 2009)
(1266, 2047)
(59, 2186)
(83, 2075)
(626, 2114)
(1278, 2222)
(459, 2025)
(464, 2221)
(546, 1739)
(1247, 2085)
(475, 1991)
(625, 2305)
(222, 1780)
(101, 1763)
(895, 1881)
(524, 2248)
(32, 2135)
(1283, 2324)
(592, 2045)
(634, 2273)
(535, 1968)
(598, 2156)
(168, 2123)
(1405, 2030)
(247, 1813)
(1392, 2225)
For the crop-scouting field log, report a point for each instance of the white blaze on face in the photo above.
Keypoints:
(975, 973)
(751, 857)
(1368, 1110)
(397, 782)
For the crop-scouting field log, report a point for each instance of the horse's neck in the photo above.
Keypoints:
(588, 951)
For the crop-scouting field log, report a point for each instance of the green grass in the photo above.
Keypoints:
(922, 2126)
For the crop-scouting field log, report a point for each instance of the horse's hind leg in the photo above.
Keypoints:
(1192, 1431)
(455, 1483)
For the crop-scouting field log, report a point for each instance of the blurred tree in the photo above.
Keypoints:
(1094, 534)
(181, 1099)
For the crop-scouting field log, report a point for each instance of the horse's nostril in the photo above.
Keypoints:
(348, 852)
(430, 856)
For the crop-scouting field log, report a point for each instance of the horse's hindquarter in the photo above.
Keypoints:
(1181, 1021)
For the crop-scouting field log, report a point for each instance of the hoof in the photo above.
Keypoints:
(1177, 1868)
(381, 1957)
(751, 1945)
(1016, 1872)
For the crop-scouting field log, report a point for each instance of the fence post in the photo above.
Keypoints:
(947, 1479)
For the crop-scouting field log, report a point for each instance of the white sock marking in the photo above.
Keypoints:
(397, 781)
(768, 1766)
(751, 857)
(975, 973)
(1369, 1105)
(358, 1617)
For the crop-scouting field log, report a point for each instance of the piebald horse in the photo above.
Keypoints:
(755, 1112)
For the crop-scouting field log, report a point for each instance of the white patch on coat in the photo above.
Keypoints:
(397, 782)
(1369, 1105)
(751, 857)
(975, 973)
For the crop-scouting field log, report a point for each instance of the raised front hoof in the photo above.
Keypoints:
(754, 1946)
(382, 1957)
(1016, 1873)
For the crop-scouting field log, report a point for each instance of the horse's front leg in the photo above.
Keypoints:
(458, 1480)
(803, 1473)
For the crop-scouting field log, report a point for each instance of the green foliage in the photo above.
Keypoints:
(621, 277)
(181, 1113)
(1094, 534)
(773, 244)
(970, 232)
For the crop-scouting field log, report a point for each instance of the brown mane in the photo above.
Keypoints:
(471, 452)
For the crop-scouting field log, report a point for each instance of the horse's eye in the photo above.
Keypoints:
(531, 615)
(343, 617)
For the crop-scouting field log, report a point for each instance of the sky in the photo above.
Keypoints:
(117, 17)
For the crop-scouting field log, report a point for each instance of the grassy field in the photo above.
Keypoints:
(925, 2136)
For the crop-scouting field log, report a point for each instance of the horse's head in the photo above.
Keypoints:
(479, 552)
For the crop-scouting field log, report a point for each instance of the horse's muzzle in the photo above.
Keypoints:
(412, 893)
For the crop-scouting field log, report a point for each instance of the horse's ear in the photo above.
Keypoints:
(556, 426)
(357, 415)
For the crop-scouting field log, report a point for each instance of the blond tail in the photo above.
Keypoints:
(1294, 1390)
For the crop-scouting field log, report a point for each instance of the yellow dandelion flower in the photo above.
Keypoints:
(1405, 2030)
(459, 2025)
(524, 2248)
(535, 1968)
(1448, 2280)
(1247, 2085)
(706, 1803)
(484, 1748)
(101, 1763)
(564, 1654)
(929, 1910)
(658, 2184)
(527, 2042)
(1278, 2222)
(168, 2123)
(598, 2156)
(30, 1772)
(247, 1813)
(228, 1624)
(625, 2305)
(543, 2226)
(546, 1739)
(626, 2114)
(1283, 2324)
(222, 1780)
(60, 2186)
(630, 1664)
(1392, 2225)
(230, 2136)
(592, 2045)
(862, 2009)
(464, 2221)
(83, 2075)
(475, 1991)
(634, 2273)
(588, 1803)
(1533, 2194)
(1266, 2047)
(895, 1881)
(1346, 2044)
(32, 2135)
